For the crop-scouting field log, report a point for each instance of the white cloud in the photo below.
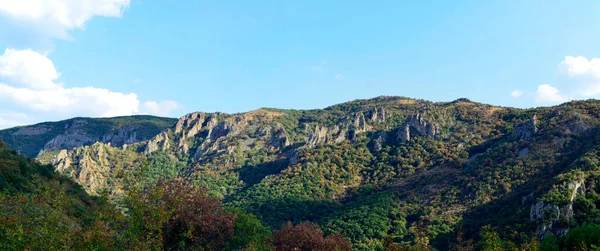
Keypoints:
(137, 81)
(583, 75)
(575, 66)
(28, 68)
(338, 76)
(69, 14)
(549, 94)
(162, 108)
(578, 78)
(516, 93)
(53, 18)
(77, 101)
(32, 85)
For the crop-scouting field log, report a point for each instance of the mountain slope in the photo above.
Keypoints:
(35, 139)
(386, 168)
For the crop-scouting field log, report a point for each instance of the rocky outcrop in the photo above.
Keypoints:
(403, 133)
(555, 218)
(319, 136)
(526, 130)
(278, 138)
(576, 126)
(125, 135)
(359, 123)
(191, 123)
(323, 135)
(160, 142)
(78, 134)
(88, 166)
(379, 141)
(187, 127)
(416, 125)
(69, 140)
(226, 129)
(378, 115)
(73, 136)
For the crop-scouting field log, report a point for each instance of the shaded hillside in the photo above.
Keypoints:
(39, 208)
(388, 168)
(42, 210)
(34, 139)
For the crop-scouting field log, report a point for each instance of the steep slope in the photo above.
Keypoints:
(35, 139)
(39, 209)
(384, 168)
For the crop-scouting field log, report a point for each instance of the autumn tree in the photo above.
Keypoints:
(306, 237)
(179, 216)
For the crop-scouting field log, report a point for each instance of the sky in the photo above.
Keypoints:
(100, 58)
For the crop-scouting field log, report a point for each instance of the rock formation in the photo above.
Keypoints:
(378, 115)
(416, 126)
(548, 215)
(160, 142)
(526, 130)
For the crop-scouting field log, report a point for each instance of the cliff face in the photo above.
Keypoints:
(554, 218)
(51, 136)
(526, 130)
(88, 166)
(416, 125)
(413, 149)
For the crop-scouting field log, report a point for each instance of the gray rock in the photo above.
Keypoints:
(160, 141)
(526, 130)
(403, 133)
(548, 214)
(380, 141)
(419, 126)
(576, 126)
(378, 115)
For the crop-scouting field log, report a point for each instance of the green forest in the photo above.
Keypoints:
(389, 173)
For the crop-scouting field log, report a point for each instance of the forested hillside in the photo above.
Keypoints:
(388, 173)
(51, 136)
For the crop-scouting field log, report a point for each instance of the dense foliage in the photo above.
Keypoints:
(470, 177)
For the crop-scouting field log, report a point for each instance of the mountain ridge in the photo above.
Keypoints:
(402, 163)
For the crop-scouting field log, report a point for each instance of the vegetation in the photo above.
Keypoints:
(471, 177)
(31, 140)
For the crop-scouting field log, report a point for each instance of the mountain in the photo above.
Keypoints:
(36, 139)
(384, 172)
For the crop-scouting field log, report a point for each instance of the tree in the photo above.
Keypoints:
(490, 241)
(175, 215)
(550, 243)
(250, 233)
(307, 237)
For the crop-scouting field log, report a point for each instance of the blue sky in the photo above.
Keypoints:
(116, 57)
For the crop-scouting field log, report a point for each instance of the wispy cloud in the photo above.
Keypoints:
(338, 76)
(516, 93)
(137, 81)
(320, 67)
(317, 69)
